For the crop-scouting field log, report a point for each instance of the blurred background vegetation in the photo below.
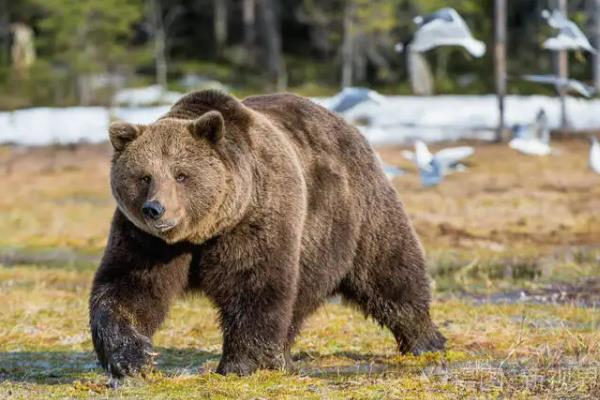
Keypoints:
(84, 50)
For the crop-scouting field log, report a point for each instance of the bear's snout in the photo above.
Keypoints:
(153, 210)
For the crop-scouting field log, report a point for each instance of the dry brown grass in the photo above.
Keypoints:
(509, 222)
(506, 201)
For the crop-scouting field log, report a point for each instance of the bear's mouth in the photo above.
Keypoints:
(164, 226)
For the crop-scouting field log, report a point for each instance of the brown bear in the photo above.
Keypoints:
(268, 206)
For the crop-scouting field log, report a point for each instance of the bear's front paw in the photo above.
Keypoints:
(434, 341)
(239, 367)
(132, 355)
(247, 365)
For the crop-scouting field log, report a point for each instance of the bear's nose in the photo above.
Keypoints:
(153, 209)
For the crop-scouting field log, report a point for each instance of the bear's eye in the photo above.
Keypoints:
(146, 179)
(181, 177)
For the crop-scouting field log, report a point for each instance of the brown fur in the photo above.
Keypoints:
(281, 205)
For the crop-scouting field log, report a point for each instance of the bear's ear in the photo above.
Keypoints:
(210, 125)
(121, 133)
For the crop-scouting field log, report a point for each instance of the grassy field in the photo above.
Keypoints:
(513, 251)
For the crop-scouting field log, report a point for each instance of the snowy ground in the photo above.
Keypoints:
(400, 119)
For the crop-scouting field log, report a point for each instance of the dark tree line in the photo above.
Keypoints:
(84, 49)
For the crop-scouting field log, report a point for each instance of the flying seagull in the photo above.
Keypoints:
(570, 85)
(433, 167)
(569, 37)
(443, 28)
(595, 155)
(350, 97)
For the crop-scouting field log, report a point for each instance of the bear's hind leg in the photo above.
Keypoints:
(397, 298)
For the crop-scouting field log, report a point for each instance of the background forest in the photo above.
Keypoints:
(84, 50)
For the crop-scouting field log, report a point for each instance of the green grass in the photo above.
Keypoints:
(513, 350)
(532, 227)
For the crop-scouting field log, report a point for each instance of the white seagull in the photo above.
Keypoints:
(443, 28)
(595, 155)
(571, 85)
(530, 146)
(350, 97)
(569, 37)
(433, 167)
(532, 140)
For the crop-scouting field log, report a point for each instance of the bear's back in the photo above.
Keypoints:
(344, 180)
(319, 136)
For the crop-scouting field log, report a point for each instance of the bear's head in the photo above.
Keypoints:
(183, 177)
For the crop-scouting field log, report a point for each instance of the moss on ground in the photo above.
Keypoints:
(509, 350)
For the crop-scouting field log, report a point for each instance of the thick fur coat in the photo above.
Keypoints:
(268, 206)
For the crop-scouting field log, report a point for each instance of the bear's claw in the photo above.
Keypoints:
(430, 343)
(134, 355)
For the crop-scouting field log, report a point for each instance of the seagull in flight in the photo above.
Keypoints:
(444, 27)
(569, 37)
(350, 97)
(571, 85)
(433, 167)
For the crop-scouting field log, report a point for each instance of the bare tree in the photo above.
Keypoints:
(595, 11)
(158, 27)
(562, 65)
(249, 18)
(4, 30)
(348, 44)
(220, 25)
(272, 37)
(500, 62)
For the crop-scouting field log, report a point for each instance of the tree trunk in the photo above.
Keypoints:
(158, 33)
(220, 25)
(348, 45)
(500, 63)
(595, 8)
(562, 61)
(249, 17)
(4, 32)
(272, 36)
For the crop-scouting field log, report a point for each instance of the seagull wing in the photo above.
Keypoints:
(578, 87)
(571, 30)
(391, 171)
(349, 98)
(453, 155)
(376, 97)
(441, 32)
(543, 79)
(570, 36)
(443, 14)
(423, 156)
(532, 147)
(555, 19)
(409, 155)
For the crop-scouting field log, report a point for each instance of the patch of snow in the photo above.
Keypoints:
(139, 115)
(400, 119)
(145, 96)
(403, 119)
(41, 126)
